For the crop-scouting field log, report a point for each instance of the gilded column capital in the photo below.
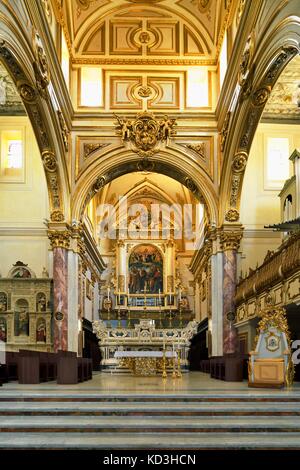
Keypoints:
(230, 239)
(59, 238)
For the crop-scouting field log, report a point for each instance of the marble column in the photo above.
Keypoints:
(60, 299)
(230, 241)
(229, 287)
(60, 240)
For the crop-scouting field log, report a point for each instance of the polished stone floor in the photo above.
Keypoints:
(191, 383)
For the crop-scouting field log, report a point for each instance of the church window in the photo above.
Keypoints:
(12, 155)
(91, 87)
(277, 162)
(197, 88)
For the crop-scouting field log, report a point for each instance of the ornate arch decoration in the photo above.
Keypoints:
(36, 99)
(254, 93)
(172, 163)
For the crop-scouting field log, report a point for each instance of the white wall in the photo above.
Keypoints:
(23, 208)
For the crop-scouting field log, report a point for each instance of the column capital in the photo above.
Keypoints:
(59, 237)
(230, 236)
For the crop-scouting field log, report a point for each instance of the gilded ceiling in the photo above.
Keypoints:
(158, 28)
(282, 103)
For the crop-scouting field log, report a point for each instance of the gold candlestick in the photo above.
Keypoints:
(119, 317)
(178, 364)
(174, 374)
(164, 370)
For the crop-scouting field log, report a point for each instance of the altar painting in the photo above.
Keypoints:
(145, 270)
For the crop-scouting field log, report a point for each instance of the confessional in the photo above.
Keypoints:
(270, 364)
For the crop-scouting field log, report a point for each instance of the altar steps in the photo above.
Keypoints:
(152, 424)
(73, 419)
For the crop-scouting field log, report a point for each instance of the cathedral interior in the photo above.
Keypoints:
(149, 218)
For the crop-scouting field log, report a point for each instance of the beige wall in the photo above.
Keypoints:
(23, 208)
(261, 206)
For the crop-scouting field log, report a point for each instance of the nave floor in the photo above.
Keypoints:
(126, 412)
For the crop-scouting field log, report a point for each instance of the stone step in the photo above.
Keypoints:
(148, 409)
(63, 396)
(95, 424)
(149, 441)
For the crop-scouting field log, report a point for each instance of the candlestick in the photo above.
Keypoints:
(108, 293)
(119, 297)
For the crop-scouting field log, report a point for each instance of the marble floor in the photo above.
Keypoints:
(191, 383)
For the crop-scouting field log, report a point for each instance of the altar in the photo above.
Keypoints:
(143, 344)
(149, 362)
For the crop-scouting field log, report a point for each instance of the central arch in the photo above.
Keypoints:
(170, 162)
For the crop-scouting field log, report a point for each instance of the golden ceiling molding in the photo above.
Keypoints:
(31, 99)
(145, 133)
(140, 61)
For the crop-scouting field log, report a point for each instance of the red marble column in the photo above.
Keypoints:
(60, 298)
(229, 288)
(230, 238)
(60, 242)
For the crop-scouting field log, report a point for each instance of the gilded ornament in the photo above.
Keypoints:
(57, 216)
(49, 161)
(198, 148)
(64, 130)
(27, 93)
(232, 215)
(144, 91)
(260, 97)
(99, 183)
(246, 59)
(189, 183)
(203, 5)
(285, 55)
(224, 131)
(230, 240)
(88, 149)
(235, 185)
(144, 37)
(40, 65)
(145, 165)
(239, 162)
(145, 132)
(59, 238)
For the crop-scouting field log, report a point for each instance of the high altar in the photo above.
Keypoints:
(146, 307)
